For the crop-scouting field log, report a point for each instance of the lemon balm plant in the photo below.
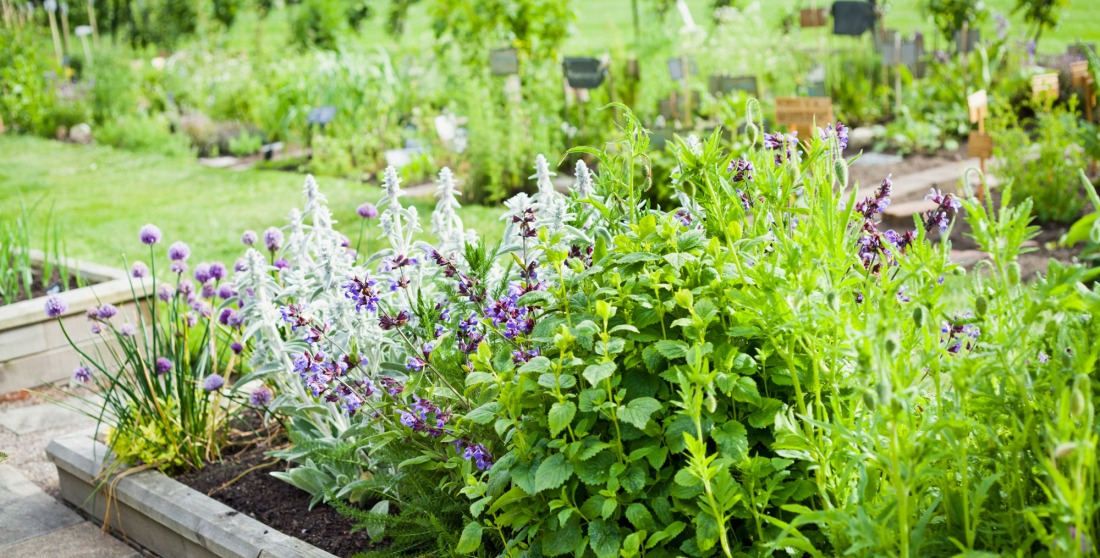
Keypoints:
(160, 382)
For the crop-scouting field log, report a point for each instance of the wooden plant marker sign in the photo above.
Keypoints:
(801, 114)
(504, 62)
(1044, 87)
(812, 17)
(1081, 78)
(979, 144)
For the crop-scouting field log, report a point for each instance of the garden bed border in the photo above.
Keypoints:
(160, 513)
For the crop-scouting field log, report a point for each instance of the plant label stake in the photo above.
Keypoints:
(51, 6)
(83, 31)
(979, 144)
(1044, 87)
(504, 62)
(679, 69)
(65, 27)
(320, 116)
(812, 17)
(583, 73)
(1082, 79)
(801, 114)
(723, 84)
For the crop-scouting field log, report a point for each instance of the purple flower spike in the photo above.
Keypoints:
(163, 365)
(139, 270)
(742, 170)
(178, 251)
(841, 132)
(149, 234)
(273, 239)
(260, 397)
(82, 374)
(213, 382)
(249, 238)
(55, 306)
(367, 211)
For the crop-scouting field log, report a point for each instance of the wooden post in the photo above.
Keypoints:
(65, 27)
(91, 21)
(801, 114)
(979, 144)
(1044, 87)
(51, 6)
(1082, 78)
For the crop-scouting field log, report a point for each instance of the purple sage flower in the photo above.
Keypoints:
(249, 238)
(56, 306)
(367, 211)
(742, 170)
(179, 251)
(163, 365)
(841, 132)
(273, 239)
(139, 270)
(82, 374)
(149, 234)
(213, 382)
(260, 397)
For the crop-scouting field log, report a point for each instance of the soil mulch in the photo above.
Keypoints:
(1044, 247)
(274, 502)
(37, 287)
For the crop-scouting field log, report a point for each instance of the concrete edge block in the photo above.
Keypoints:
(209, 524)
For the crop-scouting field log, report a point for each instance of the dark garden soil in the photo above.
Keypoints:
(242, 481)
(37, 289)
(1044, 247)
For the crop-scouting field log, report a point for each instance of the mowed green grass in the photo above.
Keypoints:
(101, 196)
(608, 25)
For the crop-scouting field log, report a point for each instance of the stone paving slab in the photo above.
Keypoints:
(13, 486)
(83, 540)
(27, 420)
(30, 517)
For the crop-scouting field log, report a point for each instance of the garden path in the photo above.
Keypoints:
(33, 522)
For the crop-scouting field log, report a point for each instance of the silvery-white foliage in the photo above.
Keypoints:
(446, 224)
(551, 207)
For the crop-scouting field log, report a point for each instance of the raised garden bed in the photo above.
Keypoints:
(33, 349)
(160, 513)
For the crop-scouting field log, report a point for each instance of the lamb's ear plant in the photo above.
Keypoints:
(162, 369)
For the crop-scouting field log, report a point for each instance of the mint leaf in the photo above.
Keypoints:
(605, 538)
(470, 540)
(561, 414)
(596, 373)
(638, 411)
(553, 473)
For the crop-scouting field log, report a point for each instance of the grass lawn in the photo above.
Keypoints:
(101, 196)
(602, 25)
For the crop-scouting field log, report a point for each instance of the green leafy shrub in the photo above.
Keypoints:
(142, 134)
(1042, 164)
(26, 98)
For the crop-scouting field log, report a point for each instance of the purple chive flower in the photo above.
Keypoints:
(367, 211)
(213, 382)
(139, 270)
(179, 268)
(202, 272)
(149, 234)
(236, 347)
(179, 251)
(192, 319)
(273, 239)
(226, 291)
(106, 312)
(56, 306)
(186, 287)
(165, 292)
(260, 397)
(96, 329)
(225, 315)
(841, 132)
(163, 365)
(127, 330)
(208, 290)
(218, 271)
(82, 374)
(249, 238)
(742, 170)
